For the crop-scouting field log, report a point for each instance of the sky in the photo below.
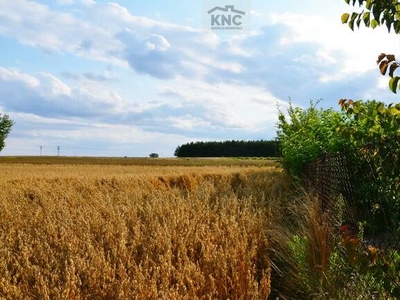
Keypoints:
(129, 78)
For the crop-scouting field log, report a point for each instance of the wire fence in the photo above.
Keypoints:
(362, 189)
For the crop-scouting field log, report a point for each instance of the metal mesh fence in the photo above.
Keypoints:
(362, 190)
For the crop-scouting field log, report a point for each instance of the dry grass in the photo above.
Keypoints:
(306, 260)
(134, 161)
(135, 232)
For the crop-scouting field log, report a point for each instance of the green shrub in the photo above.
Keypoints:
(306, 133)
(368, 132)
(373, 129)
(369, 121)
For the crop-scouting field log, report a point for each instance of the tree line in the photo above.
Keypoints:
(260, 148)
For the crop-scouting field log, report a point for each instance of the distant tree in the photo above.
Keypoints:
(232, 148)
(5, 127)
(153, 155)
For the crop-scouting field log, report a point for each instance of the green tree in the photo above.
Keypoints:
(375, 13)
(5, 127)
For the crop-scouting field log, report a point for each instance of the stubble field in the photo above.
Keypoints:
(76, 228)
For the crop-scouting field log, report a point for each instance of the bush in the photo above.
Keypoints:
(306, 133)
(368, 135)
(369, 121)
(373, 128)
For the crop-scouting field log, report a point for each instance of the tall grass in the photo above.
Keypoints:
(302, 239)
(85, 232)
(312, 260)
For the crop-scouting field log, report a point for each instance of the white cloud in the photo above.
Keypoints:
(110, 33)
(198, 106)
(359, 48)
(45, 94)
(225, 105)
(157, 42)
(53, 87)
(197, 85)
(37, 25)
(15, 76)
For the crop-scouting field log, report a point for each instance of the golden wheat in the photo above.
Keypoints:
(134, 232)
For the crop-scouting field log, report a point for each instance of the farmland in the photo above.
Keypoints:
(130, 228)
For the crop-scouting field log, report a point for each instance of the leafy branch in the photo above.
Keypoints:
(376, 13)
(389, 61)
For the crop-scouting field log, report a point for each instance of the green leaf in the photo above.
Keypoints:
(365, 18)
(393, 82)
(358, 23)
(377, 11)
(345, 18)
(351, 25)
(393, 111)
(380, 107)
(374, 23)
(354, 15)
(389, 24)
(368, 4)
(352, 20)
(396, 26)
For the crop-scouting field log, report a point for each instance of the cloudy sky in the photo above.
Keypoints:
(127, 78)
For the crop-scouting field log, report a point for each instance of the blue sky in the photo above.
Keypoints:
(127, 78)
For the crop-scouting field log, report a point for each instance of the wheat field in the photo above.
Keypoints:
(135, 231)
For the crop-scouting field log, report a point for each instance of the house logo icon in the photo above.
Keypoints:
(223, 18)
(226, 16)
